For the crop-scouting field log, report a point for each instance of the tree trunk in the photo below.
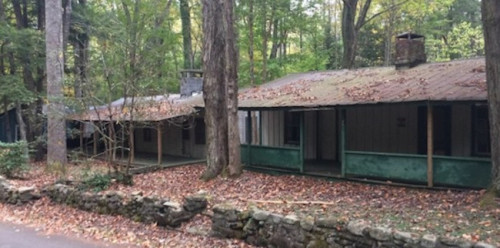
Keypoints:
(265, 35)
(213, 88)
(2, 11)
(250, 42)
(186, 34)
(8, 130)
(66, 25)
(275, 44)
(231, 80)
(349, 34)
(491, 19)
(56, 144)
(350, 29)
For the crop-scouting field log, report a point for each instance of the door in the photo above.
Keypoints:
(441, 130)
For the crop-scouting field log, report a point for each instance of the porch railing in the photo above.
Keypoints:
(279, 157)
(448, 171)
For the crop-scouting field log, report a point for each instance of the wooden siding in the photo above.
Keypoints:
(310, 134)
(382, 129)
(172, 143)
(461, 132)
(327, 138)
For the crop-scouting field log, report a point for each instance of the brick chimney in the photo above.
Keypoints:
(410, 50)
(191, 82)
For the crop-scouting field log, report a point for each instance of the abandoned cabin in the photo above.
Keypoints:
(421, 123)
(168, 130)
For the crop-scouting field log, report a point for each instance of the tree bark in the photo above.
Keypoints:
(251, 43)
(350, 29)
(186, 34)
(491, 19)
(56, 144)
(213, 88)
(265, 35)
(66, 25)
(231, 80)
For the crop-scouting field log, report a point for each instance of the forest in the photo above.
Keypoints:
(117, 48)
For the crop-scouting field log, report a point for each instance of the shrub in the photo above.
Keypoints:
(13, 158)
(97, 182)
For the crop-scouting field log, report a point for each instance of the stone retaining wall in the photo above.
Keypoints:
(267, 229)
(134, 206)
(12, 195)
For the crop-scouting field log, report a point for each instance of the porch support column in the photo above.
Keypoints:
(122, 143)
(95, 139)
(159, 140)
(249, 137)
(260, 127)
(343, 163)
(82, 126)
(301, 142)
(430, 146)
(132, 142)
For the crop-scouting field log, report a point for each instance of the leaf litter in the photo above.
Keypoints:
(451, 213)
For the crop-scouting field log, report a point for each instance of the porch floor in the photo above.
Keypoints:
(322, 168)
(145, 162)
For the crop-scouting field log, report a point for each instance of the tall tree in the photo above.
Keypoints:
(250, 19)
(56, 144)
(491, 20)
(220, 89)
(213, 88)
(186, 34)
(350, 29)
(231, 81)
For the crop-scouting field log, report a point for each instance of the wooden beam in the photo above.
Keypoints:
(95, 139)
(159, 140)
(249, 137)
(132, 147)
(302, 142)
(343, 163)
(82, 129)
(430, 146)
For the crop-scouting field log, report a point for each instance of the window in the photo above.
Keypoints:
(481, 129)
(199, 132)
(292, 128)
(147, 135)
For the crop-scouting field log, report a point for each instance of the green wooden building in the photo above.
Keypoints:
(424, 125)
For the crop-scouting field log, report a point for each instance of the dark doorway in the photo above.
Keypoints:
(442, 130)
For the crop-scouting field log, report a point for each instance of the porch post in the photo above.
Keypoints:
(430, 146)
(301, 142)
(249, 137)
(260, 127)
(342, 143)
(122, 143)
(95, 139)
(132, 142)
(159, 140)
(81, 135)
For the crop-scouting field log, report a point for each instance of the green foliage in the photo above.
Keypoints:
(13, 158)
(96, 182)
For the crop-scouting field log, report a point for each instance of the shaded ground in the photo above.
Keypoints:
(463, 214)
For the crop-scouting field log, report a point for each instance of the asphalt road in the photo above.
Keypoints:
(15, 236)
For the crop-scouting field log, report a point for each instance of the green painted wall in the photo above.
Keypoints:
(448, 171)
(411, 168)
(278, 157)
(463, 172)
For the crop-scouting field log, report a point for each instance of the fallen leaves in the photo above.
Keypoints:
(447, 213)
